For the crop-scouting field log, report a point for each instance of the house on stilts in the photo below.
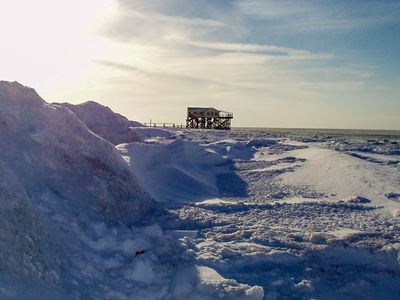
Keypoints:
(208, 118)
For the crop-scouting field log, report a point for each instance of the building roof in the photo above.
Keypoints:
(198, 109)
(205, 109)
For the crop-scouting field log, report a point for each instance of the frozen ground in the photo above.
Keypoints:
(296, 216)
(241, 214)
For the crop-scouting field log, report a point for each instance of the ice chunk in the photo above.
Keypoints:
(200, 282)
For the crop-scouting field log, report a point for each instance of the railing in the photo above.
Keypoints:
(163, 125)
(225, 115)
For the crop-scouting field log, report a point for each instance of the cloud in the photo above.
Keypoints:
(184, 32)
(244, 71)
(268, 50)
(160, 21)
(311, 15)
(205, 52)
(160, 74)
(199, 52)
(151, 20)
(120, 66)
(174, 19)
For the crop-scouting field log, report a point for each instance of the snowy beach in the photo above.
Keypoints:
(102, 208)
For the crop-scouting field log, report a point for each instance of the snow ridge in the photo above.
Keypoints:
(105, 123)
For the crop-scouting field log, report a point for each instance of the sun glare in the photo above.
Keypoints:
(50, 42)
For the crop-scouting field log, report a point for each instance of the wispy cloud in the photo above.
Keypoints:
(174, 19)
(270, 50)
(246, 71)
(151, 20)
(161, 74)
(233, 52)
(322, 15)
(187, 51)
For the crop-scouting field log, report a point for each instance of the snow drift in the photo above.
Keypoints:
(112, 126)
(52, 151)
(181, 171)
(49, 156)
(107, 124)
(23, 239)
(68, 203)
(153, 133)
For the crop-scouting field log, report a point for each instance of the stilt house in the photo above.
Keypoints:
(208, 118)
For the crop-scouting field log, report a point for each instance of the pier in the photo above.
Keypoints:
(163, 125)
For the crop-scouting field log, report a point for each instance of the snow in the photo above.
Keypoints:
(180, 171)
(114, 127)
(346, 177)
(104, 122)
(258, 143)
(215, 201)
(15, 287)
(358, 199)
(315, 236)
(54, 155)
(23, 239)
(149, 133)
(191, 214)
(199, 282)
(75, 222)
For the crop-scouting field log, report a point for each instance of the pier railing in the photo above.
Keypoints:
(163, 125)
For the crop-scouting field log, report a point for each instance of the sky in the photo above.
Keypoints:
(273, 63)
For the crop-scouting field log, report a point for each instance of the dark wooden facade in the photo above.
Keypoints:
(208, 118)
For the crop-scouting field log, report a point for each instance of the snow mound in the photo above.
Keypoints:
(203, 283)
(181, 171)
(54, 155)
(24, 243)
(242, 150)
(107, 124)
(52, 167)
(148, 133)
(232, 149)
(68, 203)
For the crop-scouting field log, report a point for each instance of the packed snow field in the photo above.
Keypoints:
(95, 206)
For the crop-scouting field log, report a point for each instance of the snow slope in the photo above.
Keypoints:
(23, 239)
(101, 120)
(74, 222)
(54, 154)
(181, 171)
(52, 165)
(149, 133)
